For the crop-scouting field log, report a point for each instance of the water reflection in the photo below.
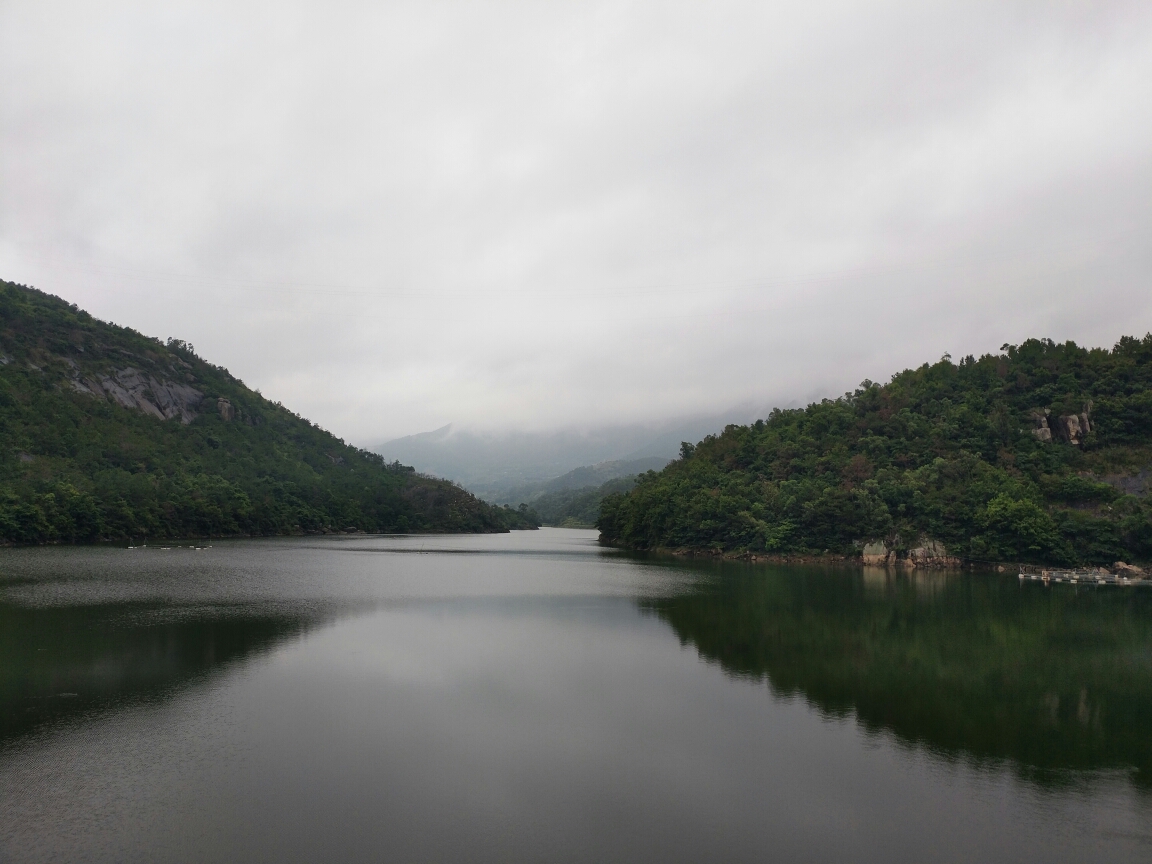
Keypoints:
(60, 663)
(519, 707)
(967, 665)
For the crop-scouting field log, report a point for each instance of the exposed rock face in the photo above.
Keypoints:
(1123, 569)
(1068, 428)
(1129, 484)
(227, 412)
(131, 388)
(931, 553)
(877, 554)
(928, 555)
(1042, 431)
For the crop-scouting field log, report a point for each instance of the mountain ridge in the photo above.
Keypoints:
(495, 465)
(109, 434)
(583, 478)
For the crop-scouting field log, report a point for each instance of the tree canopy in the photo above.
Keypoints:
(1040, 453)
(106, 433)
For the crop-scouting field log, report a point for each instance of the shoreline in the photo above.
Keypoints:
(829, 559)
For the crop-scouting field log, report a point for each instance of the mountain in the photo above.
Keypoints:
(578, 508)
(495, 465)
(105, 433)
(572, 500)
(1041, 453)
(584, 478)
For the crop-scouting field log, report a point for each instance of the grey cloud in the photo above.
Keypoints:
(513, 215)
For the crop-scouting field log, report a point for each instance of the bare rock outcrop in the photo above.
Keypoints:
(1067, 428)
(1137, 484)
(1123, 569)
(131, 388)
(877, 554)
(226, 409)
(1042, 430)
(929, 554)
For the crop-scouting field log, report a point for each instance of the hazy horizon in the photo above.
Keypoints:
(495, 461)
(511, 217)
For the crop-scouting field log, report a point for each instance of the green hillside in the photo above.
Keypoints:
(584, 478)
(1040, 453)
(578, 508)
(107, 434)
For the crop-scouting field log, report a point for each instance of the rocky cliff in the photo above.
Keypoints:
(132, 388)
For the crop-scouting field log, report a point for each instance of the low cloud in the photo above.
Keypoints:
(510, 215)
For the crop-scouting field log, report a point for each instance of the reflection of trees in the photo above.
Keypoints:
(60, 662)
(966, 665)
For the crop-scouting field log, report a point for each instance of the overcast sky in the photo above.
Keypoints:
(392, 216)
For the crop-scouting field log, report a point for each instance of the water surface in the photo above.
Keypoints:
(533, 696)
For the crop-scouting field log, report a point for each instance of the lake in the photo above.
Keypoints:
(536, 697)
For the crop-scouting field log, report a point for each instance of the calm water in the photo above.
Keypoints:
(533, 697)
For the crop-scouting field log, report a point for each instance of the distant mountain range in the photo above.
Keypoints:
(579, 507)
(502, 466)
(582, 478)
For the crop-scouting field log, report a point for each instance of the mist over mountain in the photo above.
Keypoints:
(579, 507)
(579, 479)
(495, 465)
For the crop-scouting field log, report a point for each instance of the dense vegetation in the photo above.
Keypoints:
(963, 453)
(76, 465)
(976, 667)
(578, 508)
(584, 478)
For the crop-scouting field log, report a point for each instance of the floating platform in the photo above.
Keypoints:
(1081, 577)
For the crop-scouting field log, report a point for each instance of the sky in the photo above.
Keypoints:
(391, 216)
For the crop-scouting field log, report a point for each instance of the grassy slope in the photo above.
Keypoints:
(946, 450)
(78, 467)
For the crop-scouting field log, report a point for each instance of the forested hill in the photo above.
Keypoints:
(105, 434)
(1040, 453)
(578, 508)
